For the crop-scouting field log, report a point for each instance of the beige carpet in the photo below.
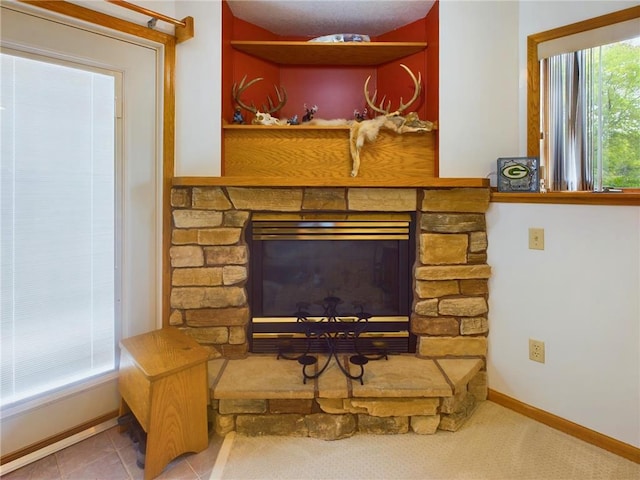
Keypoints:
(495, 444)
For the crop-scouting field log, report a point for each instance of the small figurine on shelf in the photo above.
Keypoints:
(237, 116)
(293, 120)
(359, 117)
(308, 116)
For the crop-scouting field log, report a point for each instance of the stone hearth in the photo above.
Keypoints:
(260, 395)
(210, 266)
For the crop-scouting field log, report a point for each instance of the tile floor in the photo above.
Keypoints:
(111, 455)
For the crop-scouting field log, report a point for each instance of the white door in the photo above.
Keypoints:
(137, 208)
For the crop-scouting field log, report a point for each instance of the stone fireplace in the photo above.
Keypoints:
(210, 260)
(435, 387)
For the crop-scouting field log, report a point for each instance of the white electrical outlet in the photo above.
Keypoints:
(536, 350)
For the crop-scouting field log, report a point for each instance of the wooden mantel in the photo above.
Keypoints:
(389, 182)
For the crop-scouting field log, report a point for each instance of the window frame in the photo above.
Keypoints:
(628, 196)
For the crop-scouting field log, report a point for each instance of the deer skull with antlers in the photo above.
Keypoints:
(367, 130)
(261, 117)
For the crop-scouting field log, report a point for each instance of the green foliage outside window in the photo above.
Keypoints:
(620, 115)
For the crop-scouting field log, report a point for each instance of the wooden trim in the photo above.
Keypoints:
(390, 182)
(97, 18)
(533, 65)
(168, 171)
(569, 198)
(533, 98)
(578, 431)
(10, 457)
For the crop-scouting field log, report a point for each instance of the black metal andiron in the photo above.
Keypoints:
(330, 330)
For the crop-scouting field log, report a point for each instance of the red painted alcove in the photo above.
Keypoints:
(337, 91)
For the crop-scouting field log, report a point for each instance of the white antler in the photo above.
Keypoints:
(403, 106)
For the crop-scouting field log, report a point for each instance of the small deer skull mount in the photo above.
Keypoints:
(367, 130)
(263, 116)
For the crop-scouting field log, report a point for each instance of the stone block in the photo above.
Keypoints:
(452, 272)
(287, 424)
(206, 276)
(478, 242)
(227, 406)
(181, 236)
(303, 406)
(397, 407)
(425, 424)
(332, 405)
(237, 335)
(196, 218)
(233, 274)
(453, 422)
(324, 199)
(212, 317)
(270, 199)
(454, 346)
(456, 200)
(474, 287)
(477, 258)
(224, 424)
(454, 404)
(234, 351)
(382, 199)
(208, 335)
(382, 425)
(474, 325)
(180, 197)
(219, 236)
(176, 318)
(330, 427)
(226, 255)
(434, 325)
(210, 198)
(426, 307)
(439, 249)
(435, 289)
(235, 218)
(478, 386)
(452, 222)
(186, 256)
(208, 297)
(463, 307)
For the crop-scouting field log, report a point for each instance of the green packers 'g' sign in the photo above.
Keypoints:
(518, 174)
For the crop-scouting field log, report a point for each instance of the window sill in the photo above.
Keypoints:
(566, 198)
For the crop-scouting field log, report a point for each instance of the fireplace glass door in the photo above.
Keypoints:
(300, 261)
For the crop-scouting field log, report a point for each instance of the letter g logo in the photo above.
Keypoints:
(515, 172)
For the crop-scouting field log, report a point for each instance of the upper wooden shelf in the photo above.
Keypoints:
(390, 181)
(319, 53)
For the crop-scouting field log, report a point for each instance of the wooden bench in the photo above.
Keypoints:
(163, 382)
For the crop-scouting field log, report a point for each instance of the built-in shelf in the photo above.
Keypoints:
(388, 182)
(320, 53)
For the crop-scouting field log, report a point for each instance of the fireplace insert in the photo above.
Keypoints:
(299, 260)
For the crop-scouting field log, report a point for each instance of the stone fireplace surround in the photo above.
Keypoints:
(210, 269)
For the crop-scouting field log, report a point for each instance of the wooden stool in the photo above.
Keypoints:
(163, 382)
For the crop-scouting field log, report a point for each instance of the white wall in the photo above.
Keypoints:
(581, 297)
(478, 86)
(590, 324)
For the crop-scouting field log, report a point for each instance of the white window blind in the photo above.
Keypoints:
(57, 226)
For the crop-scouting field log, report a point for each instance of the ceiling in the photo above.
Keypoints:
(312, 18)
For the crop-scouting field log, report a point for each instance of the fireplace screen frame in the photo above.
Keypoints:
(267, 332)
